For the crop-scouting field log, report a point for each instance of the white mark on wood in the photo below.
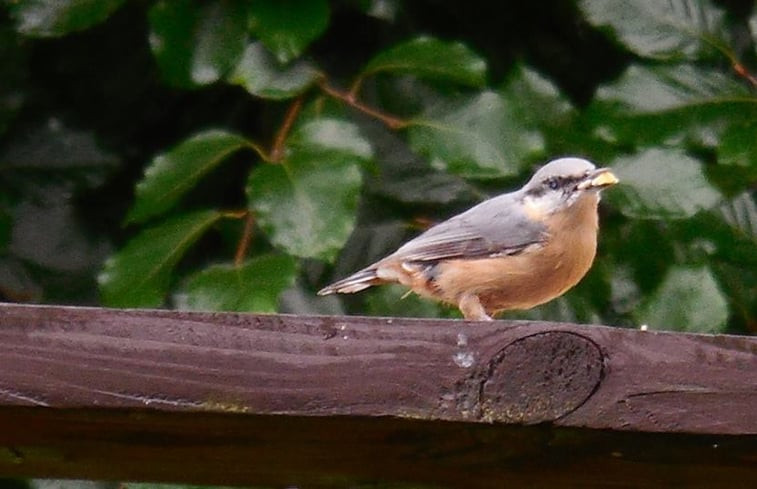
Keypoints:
(149, 400)
(464, 359)
(22, 397)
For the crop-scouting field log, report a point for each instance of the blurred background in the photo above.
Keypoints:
(238, 155)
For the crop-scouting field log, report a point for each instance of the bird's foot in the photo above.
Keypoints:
(470, 306)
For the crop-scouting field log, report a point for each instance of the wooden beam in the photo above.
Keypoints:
(322, 401)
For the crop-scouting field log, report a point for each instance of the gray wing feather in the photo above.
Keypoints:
(494, 227)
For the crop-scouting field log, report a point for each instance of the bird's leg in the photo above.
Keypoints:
(470, 306)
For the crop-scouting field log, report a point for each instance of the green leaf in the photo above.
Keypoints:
(536, 104)
(139, 274)
(741, 214)
(661, 184)
(219, 39)
(737, 146)
(653, 90)
(663, 104)
(480, 136)
(307, 203)
(427, 57)
(52, 148)
(535, 98)
(197, 43)
(172, 25)
(688, 299)
(642, 250)
(393, 300)
(329, 134)
(386, 10)
(568, 308)
(421, 185)
(49, 233)
(671, 29)
(52, 18)
(261, 75)
(254, 286)
(171, 175)
(736, 255)
(287, 27)
(726, 233)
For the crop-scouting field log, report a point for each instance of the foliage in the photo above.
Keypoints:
(139, 274)
(280, 151)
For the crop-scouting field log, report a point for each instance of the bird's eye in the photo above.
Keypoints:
(553, 183)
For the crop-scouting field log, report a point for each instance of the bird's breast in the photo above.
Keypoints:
(536, 275)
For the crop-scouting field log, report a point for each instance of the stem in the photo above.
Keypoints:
(245, 239)
(741, 70)
(260, 151)
(421, 223)
(348, 98)
(737, 66)
(235, 214)
(355, 88)
(277, 151)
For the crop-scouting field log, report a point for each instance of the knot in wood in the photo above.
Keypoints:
(541, 378)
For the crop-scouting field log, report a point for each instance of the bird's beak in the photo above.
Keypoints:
(598, 180)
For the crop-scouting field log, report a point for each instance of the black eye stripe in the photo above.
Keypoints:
(555, 183)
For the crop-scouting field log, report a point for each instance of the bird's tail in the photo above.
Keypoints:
(354, 283)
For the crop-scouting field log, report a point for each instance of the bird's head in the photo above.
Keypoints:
(561, 183)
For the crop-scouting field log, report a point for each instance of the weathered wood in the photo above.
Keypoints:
(318, 401)
(347, 451)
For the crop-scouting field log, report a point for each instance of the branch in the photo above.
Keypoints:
(349, 98)
(741, 70)
(245, 239)
(277, 151)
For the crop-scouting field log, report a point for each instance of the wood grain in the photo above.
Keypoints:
(337, 401)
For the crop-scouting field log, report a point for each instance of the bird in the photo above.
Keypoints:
(511, 252)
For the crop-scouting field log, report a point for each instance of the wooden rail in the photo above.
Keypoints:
(341, 401)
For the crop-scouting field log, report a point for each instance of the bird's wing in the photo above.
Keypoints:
(494, 227)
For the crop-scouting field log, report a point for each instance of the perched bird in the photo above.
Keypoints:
(513, 251)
